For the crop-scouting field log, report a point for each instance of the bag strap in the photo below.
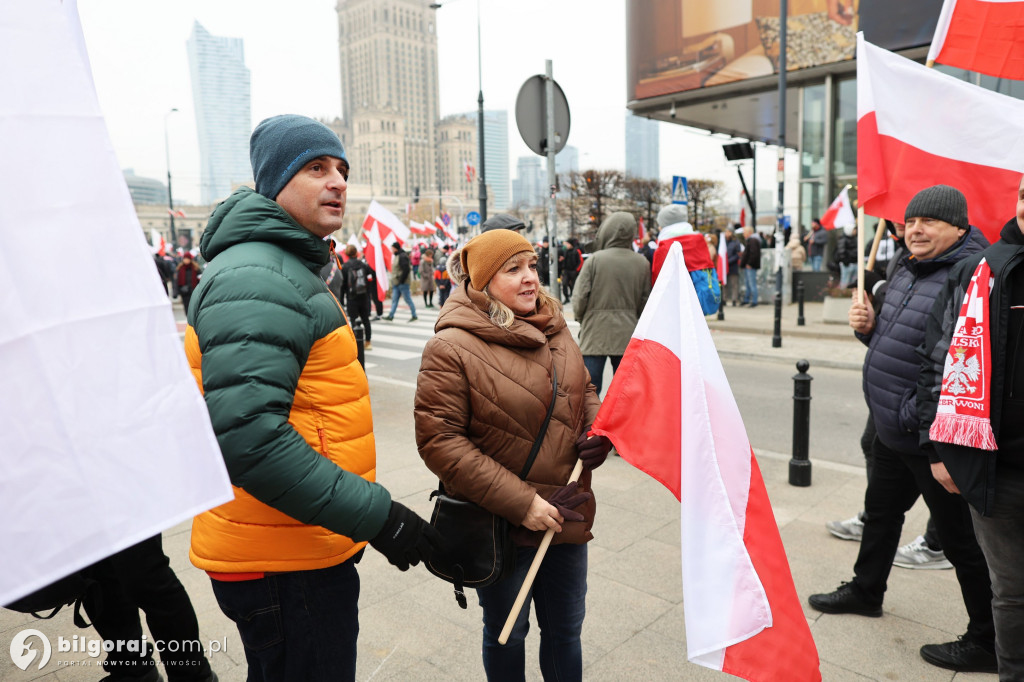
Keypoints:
(544, 427)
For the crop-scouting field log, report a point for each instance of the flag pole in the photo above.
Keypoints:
(860, 254)
(534, 567)
(879, 231)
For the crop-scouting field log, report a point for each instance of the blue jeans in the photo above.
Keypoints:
(300, 625)
(559, 593)
(816, 263)
(847, 274)
(750, 284)
(403, 291)
(595, 365)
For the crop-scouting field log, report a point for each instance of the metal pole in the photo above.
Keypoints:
(549, 98)
(800, 465)
(482, 187)
(357, 329)
(800, 303)
(779, 231)
(170, 193)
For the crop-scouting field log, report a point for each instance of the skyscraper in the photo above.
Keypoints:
(642, 159)
(496, 157)
(389, 97)
(221, 94)
(530, 183)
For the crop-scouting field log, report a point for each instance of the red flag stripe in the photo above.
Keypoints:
(981, 36)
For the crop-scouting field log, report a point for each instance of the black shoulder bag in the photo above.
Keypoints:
(478, 549)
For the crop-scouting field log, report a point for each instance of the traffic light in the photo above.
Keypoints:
(415, 195)
(589, 177)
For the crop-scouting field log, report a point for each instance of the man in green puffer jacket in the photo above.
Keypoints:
(290, 405)
(610, 294)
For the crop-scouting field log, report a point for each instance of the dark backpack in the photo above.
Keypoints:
(357, 280)
(67, 591)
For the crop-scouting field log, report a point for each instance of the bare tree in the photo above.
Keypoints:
(646, 194)
(704, 195)
(604, 189)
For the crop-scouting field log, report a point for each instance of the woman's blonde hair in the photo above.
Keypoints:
(503, 316)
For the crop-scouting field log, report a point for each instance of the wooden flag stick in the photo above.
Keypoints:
(860, 255)
(879, 232)
(534, 567)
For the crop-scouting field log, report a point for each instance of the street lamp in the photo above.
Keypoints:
(170, 194)
(482, 171)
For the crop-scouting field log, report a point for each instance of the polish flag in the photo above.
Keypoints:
(159, 246)
(840, 212)
(986, 36)
(387, 223)
(470, 170)
(723, 259)
(638, 243)
(741, 609)
(917, 127)
(378, 256)
(422, 229)
(449, 237)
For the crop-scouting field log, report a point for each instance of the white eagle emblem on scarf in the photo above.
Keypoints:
(961, 372)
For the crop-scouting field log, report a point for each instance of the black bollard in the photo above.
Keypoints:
(721, 306)
(357, 329)
(800, 303)
(777, 335)
(800, 465)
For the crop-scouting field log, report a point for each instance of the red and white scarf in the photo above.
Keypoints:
(965, 404)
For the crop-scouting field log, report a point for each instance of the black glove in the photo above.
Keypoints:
(405, 539)
(593, 451)
(568, 498)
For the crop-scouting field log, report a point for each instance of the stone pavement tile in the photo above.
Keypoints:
(881, 649)
(616, 528)
(649, 656)
(647, 565)
(617, 611)
(929, 598)
(410, 480)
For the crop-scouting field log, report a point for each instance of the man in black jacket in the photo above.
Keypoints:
(992, 481)
(357, 285)
(938, 236)
(400, 269)
(750, 263)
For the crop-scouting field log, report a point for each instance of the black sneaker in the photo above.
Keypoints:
(846, 599)
(964, 655)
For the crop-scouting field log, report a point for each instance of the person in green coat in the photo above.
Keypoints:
(610, 294)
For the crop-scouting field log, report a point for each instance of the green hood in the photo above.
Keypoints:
(616, 232)
(246, 216)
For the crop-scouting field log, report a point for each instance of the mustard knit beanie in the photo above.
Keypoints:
(484, 255)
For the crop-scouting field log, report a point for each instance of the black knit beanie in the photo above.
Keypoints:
(941, 202)
(281, 145)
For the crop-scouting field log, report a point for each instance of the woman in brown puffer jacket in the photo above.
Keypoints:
(483, 391)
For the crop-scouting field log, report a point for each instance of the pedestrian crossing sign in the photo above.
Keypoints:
(679, 190)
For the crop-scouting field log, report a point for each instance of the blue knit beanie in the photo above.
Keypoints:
(281, 145)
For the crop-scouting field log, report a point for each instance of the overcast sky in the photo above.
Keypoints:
(138, 56)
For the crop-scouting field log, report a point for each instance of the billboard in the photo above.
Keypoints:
(680, 45)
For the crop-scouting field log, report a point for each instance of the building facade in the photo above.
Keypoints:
(496, 158)
(389, 93)
(528, 187)
(145, 190)
(642, 159)
(456, 152)
(221, 95)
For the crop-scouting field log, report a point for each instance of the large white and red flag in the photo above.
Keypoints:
(378, 257)
(917, 127)
(742, 613)
(722, 259)
(159, 245)
(840, 212)
(986, 36)
(388, 222)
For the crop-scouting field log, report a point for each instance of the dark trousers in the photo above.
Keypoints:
(377, 303)
(359, 308)
(897, 480)
(140, 577)
(559, 593)
(867, 446)
(595, 365)
(442, 293)
(300, 625)
(568, 282)
(1001, 537)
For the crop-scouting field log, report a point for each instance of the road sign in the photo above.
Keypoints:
(473, 218)
(531, 115)
(679, 190)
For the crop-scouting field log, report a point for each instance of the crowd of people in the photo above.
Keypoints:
(277, 363)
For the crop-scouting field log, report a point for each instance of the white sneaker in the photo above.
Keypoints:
(917, 554)
(850, 529)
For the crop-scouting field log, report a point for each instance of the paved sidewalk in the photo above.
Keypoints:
(411, 628)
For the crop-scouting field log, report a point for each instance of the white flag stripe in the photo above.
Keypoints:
(98, 369)
(927, 118)
(723, 597)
